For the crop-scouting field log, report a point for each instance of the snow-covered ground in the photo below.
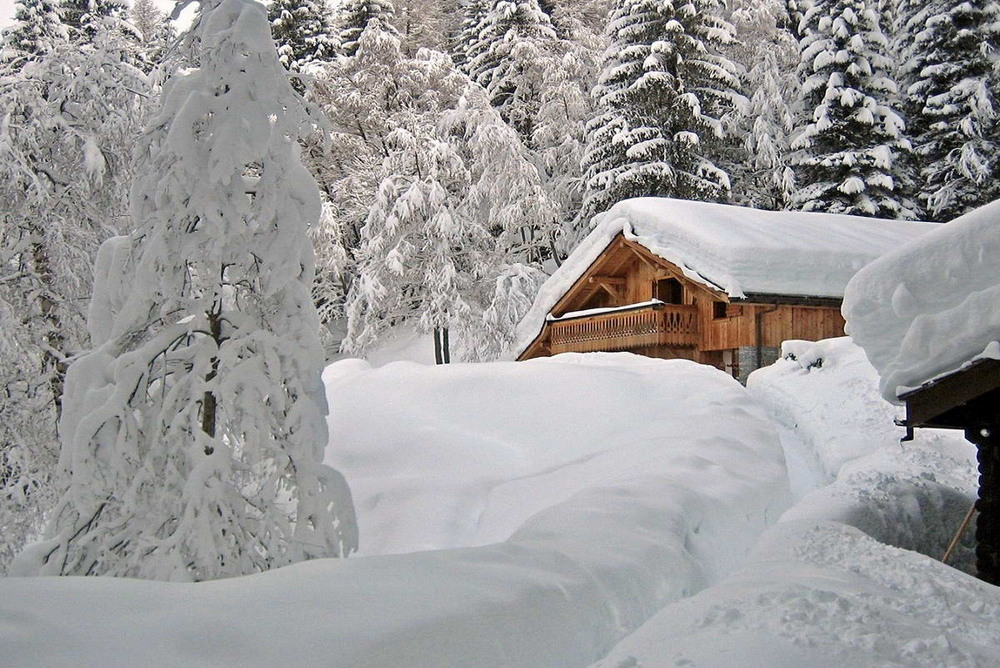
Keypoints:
(546, 513)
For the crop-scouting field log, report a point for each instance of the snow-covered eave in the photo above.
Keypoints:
(586, 313)
(797, 300)
(989, 357)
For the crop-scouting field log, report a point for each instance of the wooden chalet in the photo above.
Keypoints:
(661, 278)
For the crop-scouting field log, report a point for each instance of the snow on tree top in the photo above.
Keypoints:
(738, 250)
(930, 307)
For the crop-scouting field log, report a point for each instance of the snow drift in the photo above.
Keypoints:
(927, 308)
(616, 484)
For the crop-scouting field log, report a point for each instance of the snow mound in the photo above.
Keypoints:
(825, 595)
(738, 250)
(844, 578)
(614, 483)
(929, 307)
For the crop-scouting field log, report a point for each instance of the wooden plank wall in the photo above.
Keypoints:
(787, 322)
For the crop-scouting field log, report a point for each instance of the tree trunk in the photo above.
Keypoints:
(209, 407)
(53, 352)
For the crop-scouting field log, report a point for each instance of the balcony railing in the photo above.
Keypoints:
(626, 329)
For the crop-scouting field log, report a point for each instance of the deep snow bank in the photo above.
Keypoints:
(618, 484)
(463, 455)
(825, 595)
(930, 306)
(828, 585)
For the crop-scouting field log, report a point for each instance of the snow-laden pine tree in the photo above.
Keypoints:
(850, 142)
(155, 32)
(796, 11)
(358, 15)
(85, 18)
(427, 24)
(760, 130)
(302, 31)
(193, 434)
(511, 57)
(461, 45)
(559, 135)
(507, 193)
(660, 99)
(37, 29)
(420, 254)
(69, 119)
(953, 106)
(361, 95)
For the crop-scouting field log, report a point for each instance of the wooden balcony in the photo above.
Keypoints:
(626, 329)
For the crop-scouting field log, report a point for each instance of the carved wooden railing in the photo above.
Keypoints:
(660, 324)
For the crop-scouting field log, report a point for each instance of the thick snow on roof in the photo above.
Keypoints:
(739, 250)
(927, 308)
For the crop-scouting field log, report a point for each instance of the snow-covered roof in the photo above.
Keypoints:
(928, 308)
(738, 250)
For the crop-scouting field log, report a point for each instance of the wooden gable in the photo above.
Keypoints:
(625, 271)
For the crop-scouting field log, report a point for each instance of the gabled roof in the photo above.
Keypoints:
(932, 306)
(746, 253)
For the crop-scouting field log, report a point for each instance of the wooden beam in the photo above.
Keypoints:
(942, 403)
(613, 285)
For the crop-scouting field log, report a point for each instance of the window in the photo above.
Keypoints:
(669, 291)
(719, 310)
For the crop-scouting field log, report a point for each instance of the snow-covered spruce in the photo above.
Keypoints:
(951, 99)
(511, 56)
(759, 131)
(358, 15)
(37, 29)
(660, 97)
(850, 141)
(193, 433)
(302, 31)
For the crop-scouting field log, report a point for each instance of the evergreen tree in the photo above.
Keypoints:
(155, 32)
(559, 136)
(951, 102)
(302, 32)
(758, 155)
(461, 45)
(358, 15)
(660, 99)
(202, 399)
(37, 29)
(428, 24)
(850, 141)
(511, 57)
(85, 18)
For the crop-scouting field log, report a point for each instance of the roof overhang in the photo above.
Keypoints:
(960, 400)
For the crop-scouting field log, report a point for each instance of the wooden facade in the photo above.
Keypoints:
(632, 300)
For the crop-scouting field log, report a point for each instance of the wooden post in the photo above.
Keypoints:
(986, 437)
